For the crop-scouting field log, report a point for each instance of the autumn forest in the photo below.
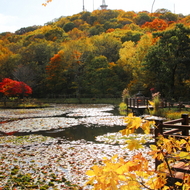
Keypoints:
(101, 53)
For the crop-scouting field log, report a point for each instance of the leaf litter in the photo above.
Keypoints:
(55, 163)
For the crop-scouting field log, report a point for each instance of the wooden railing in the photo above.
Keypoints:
(178, 128)
(137, 102)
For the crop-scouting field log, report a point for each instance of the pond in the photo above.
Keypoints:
(56, 146)
(73, 123)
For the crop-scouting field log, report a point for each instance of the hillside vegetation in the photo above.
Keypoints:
(101, 53)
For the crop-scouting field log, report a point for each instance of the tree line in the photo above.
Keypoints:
(101, 52)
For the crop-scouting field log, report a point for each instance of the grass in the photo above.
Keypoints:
(175, 114)
(171, 113)
(115, 101)
(123, 108)
(45, 102)
(24, 103)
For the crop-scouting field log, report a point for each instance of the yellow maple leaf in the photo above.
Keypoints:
(153, 147)
(151, 103)
(90, 173)
(130, 186)
(146, 127)
(188, 147)
(126, 131)
(178, 183)
(165, 188)
(133, 123)
(184, 155)
(134, 144)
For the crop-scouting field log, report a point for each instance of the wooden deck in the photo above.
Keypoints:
(138, 105)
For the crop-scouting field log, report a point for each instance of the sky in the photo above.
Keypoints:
(16, 14)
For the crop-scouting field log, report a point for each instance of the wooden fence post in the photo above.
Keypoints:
(185, 122)
(158, 131)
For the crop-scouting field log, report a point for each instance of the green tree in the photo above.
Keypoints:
(96, 30)
(142, 18)
(96, 75)
(26, 29)
(85, 15)
(132, 36)
(168, 61)
(75, 54)
(108, 46)
(105, 15)
(25, 73)
(8, 62)
(37, 55)
(168, 16)
(55, 33)
(68, 26)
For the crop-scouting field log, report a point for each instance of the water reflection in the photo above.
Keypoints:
(78, 132)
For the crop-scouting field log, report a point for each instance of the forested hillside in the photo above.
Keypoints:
(101, 52)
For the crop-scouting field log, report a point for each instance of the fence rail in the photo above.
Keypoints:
(175, 126)
(178, 128)
(137, 102)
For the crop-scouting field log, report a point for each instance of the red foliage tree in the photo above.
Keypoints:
(13, 88)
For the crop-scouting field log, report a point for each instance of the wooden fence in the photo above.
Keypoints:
(178, 128)
(139, 104)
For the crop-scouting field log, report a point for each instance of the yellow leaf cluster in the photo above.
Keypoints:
(133, 123)
(135, 174)
(133, 144)
(47, 1)
(151, 103)
(116, 173)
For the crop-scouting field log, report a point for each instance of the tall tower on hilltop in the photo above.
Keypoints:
(83, 6)
(103, 6)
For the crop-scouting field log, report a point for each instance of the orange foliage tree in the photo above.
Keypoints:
(55, 73)
(156, 24)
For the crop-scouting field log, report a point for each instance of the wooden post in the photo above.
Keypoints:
(158, 131)
(185, 122)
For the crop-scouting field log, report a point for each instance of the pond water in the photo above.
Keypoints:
(85, 122)
(77, 132)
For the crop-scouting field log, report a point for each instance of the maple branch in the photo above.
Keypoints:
(169, 169)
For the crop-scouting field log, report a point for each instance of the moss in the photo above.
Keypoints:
(15, 170)
(51, 183)
(44, 187)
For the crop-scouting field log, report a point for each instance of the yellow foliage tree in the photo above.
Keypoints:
(131, 59)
